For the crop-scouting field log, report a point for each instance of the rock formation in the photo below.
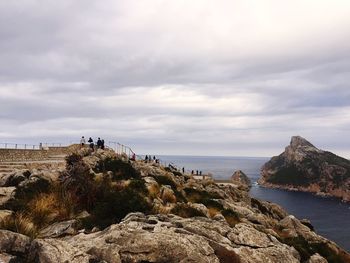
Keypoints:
(241, 179)
(105, 208)
(304, 167)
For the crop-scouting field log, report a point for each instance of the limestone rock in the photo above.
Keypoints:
(13, 243)
(241, 179)
(304, 167)
(14, 178)
(6, 195)
(5, 213)
(59, 229)
(316, 258)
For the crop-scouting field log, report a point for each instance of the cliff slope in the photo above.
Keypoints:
(304, 167)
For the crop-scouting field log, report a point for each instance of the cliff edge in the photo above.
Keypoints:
(304, 167)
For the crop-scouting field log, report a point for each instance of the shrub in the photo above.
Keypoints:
(232, 218)
(186, 211)
(47, 208)
(198, 196)
(168, 196)
(78, 181)
(119, 168)
(165, 180)
(114, 204)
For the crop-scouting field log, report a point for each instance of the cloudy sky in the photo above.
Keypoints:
(200, 77)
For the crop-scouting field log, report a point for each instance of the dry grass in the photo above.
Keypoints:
(47, 208)
(19, 223)
(168, 196)
(213, 211)
(153, 190)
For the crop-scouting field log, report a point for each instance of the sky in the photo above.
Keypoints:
(199, 77)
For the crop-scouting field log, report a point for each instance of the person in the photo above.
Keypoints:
(192, 172)
(146, 158)
(82, 141)
(154, 158)
(99, 143)
(183, 170)
(102, 144)
(91, 142)
(133, 157)
(196, 172)
(200, 172)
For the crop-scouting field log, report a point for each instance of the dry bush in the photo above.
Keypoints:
(19, 223)
(43, 209)
(51, 207)
(168, 196)
(213, 211)
(153, 190)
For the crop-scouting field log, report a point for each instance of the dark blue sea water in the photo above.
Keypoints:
(329, 216)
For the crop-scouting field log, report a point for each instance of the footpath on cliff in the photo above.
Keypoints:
(104, 207)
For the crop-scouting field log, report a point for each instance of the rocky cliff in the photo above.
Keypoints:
(304, 167)
(105, 208)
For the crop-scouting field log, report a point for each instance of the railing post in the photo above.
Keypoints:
(5, 145)
(25, 146)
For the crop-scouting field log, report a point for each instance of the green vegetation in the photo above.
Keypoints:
(232, 217)
(119, 169)
(186, 211)
(289, 175)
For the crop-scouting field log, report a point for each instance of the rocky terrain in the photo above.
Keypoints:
(303, 167)
(241, 179)
(105, 208)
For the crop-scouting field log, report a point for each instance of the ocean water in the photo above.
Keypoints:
(329, 216)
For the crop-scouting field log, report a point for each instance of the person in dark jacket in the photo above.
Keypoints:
(91, 143)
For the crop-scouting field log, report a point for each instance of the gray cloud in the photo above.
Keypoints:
(235, 78)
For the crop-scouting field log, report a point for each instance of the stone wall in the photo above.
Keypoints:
(7, 155)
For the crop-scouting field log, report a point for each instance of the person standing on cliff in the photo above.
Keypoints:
(91, 142)
(82, 141)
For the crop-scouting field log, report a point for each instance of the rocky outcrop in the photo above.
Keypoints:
(148, 213)
(303, 167)
(241, 179)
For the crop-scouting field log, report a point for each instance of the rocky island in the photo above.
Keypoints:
(303, 167)
(103, 207)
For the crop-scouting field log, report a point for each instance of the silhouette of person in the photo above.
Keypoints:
(91, 142)
(99, 143)
(82, 141)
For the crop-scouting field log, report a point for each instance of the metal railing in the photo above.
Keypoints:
(124, 149)
(25, 146)
(19, 146)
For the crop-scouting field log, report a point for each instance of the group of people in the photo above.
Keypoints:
(149, 159)
(197, 173)
(100, 144)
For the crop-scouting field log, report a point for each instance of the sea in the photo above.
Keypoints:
(329, 216)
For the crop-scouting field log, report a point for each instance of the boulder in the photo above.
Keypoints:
(316, 258)
(5, 213)
(6, 195)
(13, 243)
(14, 178)
(59, 229)
(241, 179)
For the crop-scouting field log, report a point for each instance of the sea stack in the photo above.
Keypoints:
(303, 167)
(241, 179)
